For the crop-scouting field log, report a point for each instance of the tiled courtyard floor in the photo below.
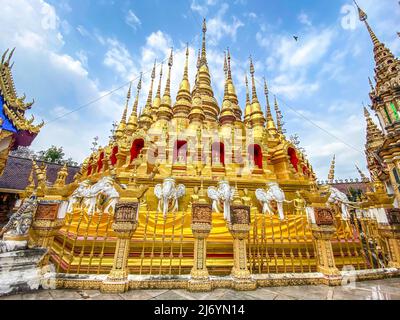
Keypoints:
(388, 289)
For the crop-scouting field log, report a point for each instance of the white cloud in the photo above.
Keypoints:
(218, 27)
(304, 19)
(132, 20)
(202, 6)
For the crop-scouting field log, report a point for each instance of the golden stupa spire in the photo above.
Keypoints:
(183, 98)
(270, 120)
(232, 91)
(331, 175)
(211, 109)
(373, 132)
(157, 99)
(165, 110)
(248, 108)
(371, 84)
(196, 114)
(363, 17)
(122, 125)
(364, 178)
(227, 116)
(257, 116)
(133, 120)
(253, 82)
(278, 116)
(203, 59)
(146, 115)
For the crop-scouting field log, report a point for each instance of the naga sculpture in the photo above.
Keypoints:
(89, 195)
(15, 233)
(222, 196)
(168, 194)
(273, 193)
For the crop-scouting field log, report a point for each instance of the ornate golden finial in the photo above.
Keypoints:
(183, 99)
(165, 110)
(61, 176)
(132, 122)
(270, 120)
(247, 91)
(203, 59)
(331, 175)
(278, 116)
(363, 176)
(363, 17)
(229, 65)
(122, 125)
(157, 99)
(248, 108)
(371, 84)
(225, 66)
(254, 90)
(373, 132)
(237, 200)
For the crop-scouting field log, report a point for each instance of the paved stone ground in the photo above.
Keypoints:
(388, 289)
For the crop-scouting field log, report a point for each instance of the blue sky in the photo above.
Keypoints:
(73, 52)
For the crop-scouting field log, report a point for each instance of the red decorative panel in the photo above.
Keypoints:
(393, 216)
(47, 210)
(240, 215)
(114, 156)
(323, 216)
(218, 150)
(202, 213)
(293, 158)
(255, 153)
(126, 212)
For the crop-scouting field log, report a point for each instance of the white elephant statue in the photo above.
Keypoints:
(222, 195)
(273, 193)
(88, 195)
(338, 197)
(168, 194)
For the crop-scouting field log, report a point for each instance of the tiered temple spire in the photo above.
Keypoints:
(331, 175)
(257, 116)
(374, 134)
(122, 124)
(278, 113)
(270, 120)
(227, 115)
(210, 104)
(232, 91)
(133, 119)
(183, 98)
(146, 119)
(248, 108)
(157, 99)
(165, 110)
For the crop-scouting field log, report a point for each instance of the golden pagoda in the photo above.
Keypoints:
(191, 189)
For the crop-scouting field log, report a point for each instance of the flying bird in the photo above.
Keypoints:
(296, 38)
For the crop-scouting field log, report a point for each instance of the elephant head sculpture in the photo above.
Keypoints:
(223, 194)
(168, 194)
(338, 197)
(273, 193)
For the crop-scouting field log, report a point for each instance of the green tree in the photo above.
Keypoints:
(53, 154)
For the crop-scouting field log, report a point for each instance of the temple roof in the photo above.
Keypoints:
(13, 108)
(17, 171)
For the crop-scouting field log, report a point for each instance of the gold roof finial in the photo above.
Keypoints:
(331, 175)
(371, 84)
(363, 17)
(363, 176)
(225, 66)
(186, 72)
(183, 99)
(278, 116)
(373, 132)
(247, 90)
(203, 59)
(229, 65)
(132, 122)
(157, 99)
(165, 110)
(122, 124)
(270, 120)
(253, 82)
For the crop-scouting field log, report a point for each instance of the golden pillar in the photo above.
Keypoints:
(46, 225)
(391, 232)
(125, 224)
(201, 227)
(323, 230)
(239, 227)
